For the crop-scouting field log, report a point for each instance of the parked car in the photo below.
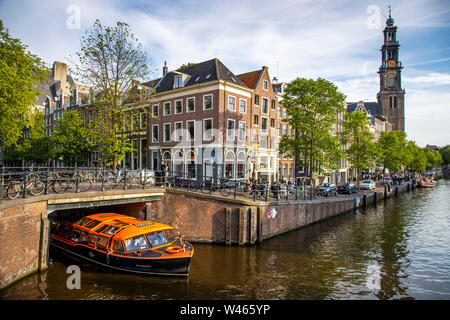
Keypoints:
(367, 185)
(347, 188)
(388, 181)
(327, 189)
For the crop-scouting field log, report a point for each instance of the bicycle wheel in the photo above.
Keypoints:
(13, 190)
(225, 191)
(205, 187)
(85, 185)
(193, 186)
(36, 188)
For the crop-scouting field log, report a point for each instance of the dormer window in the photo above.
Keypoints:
(178, 81)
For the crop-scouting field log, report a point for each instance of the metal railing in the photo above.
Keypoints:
(17, 182)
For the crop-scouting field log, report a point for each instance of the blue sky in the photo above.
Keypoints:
(336, 40)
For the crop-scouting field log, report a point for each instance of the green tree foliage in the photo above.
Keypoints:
(34, 146)
(72, 139)
(20, 74)
(414, 157)
(109, 60)
(185, 65)
(445, 154)
(390, 150)
(434, 159)
(312, 107)
(360, 149)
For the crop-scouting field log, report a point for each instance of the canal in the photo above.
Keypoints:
(397, 250)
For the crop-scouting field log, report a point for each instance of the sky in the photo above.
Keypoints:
(338, 40)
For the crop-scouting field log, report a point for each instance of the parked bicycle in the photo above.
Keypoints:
(30, 183)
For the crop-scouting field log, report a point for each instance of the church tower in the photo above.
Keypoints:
(391, 97)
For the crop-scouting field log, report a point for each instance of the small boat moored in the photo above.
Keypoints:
(124, 243)
(427, 183)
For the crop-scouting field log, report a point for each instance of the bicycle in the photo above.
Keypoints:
(32, 184)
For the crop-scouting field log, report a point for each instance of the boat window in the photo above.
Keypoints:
(170, 234)
(83, 221)
(84, 236)
(91, 224)
(102, 241)
(157, 238)
(102, 228)
(118, 245)
(110, 230)
(136, 243)
(75, 235)
(93, 239)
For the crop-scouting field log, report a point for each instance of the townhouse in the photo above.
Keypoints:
(206, 122)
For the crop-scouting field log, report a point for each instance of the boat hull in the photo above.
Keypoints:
(170, 266)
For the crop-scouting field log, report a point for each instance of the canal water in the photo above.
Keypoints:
(397, 250)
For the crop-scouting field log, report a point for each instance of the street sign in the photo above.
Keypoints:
(253, 160)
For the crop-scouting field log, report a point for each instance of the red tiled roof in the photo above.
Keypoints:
(250, 78)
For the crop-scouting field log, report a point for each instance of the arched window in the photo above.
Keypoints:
(191, 166)
(230, 159)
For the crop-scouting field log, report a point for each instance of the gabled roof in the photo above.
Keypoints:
(251, 78)
(206, 71)
(372, 107)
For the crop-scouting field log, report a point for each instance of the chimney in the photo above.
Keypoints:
(165, 68)
(60, 71)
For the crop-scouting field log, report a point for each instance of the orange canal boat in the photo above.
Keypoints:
(124, 243)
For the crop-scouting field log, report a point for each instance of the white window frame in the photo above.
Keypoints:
(176, 132)
(164, 131)
(253, 120)
(157, 110)
(240, 130)
(206, 138)
(267, 106)
(180, 84)
(228, 103)
(140, 120)
(187, 104)
(265, 131)
(233, 132)
(153, 140)
(175, 106)
(243, 100)
(208, 95)
(266, 85)
(189, 138)
(170, 108)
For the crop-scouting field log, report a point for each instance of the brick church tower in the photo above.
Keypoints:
(391, 97)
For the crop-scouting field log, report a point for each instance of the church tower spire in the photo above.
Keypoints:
(391, 96)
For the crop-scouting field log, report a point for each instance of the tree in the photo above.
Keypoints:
(312, 107)
(433, 158)
(414, 157)
(20, 74)
(185, 65)
(110, 59)
(360, 149)
(445, 154)
(33, 146)
(72, 138)
(390, 150)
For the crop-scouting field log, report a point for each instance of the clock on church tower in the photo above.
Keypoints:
(391, 97)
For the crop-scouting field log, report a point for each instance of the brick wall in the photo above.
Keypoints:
(20, 236)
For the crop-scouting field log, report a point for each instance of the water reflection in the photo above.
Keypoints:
(407, 240)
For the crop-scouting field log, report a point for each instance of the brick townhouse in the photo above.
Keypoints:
(205, 121)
